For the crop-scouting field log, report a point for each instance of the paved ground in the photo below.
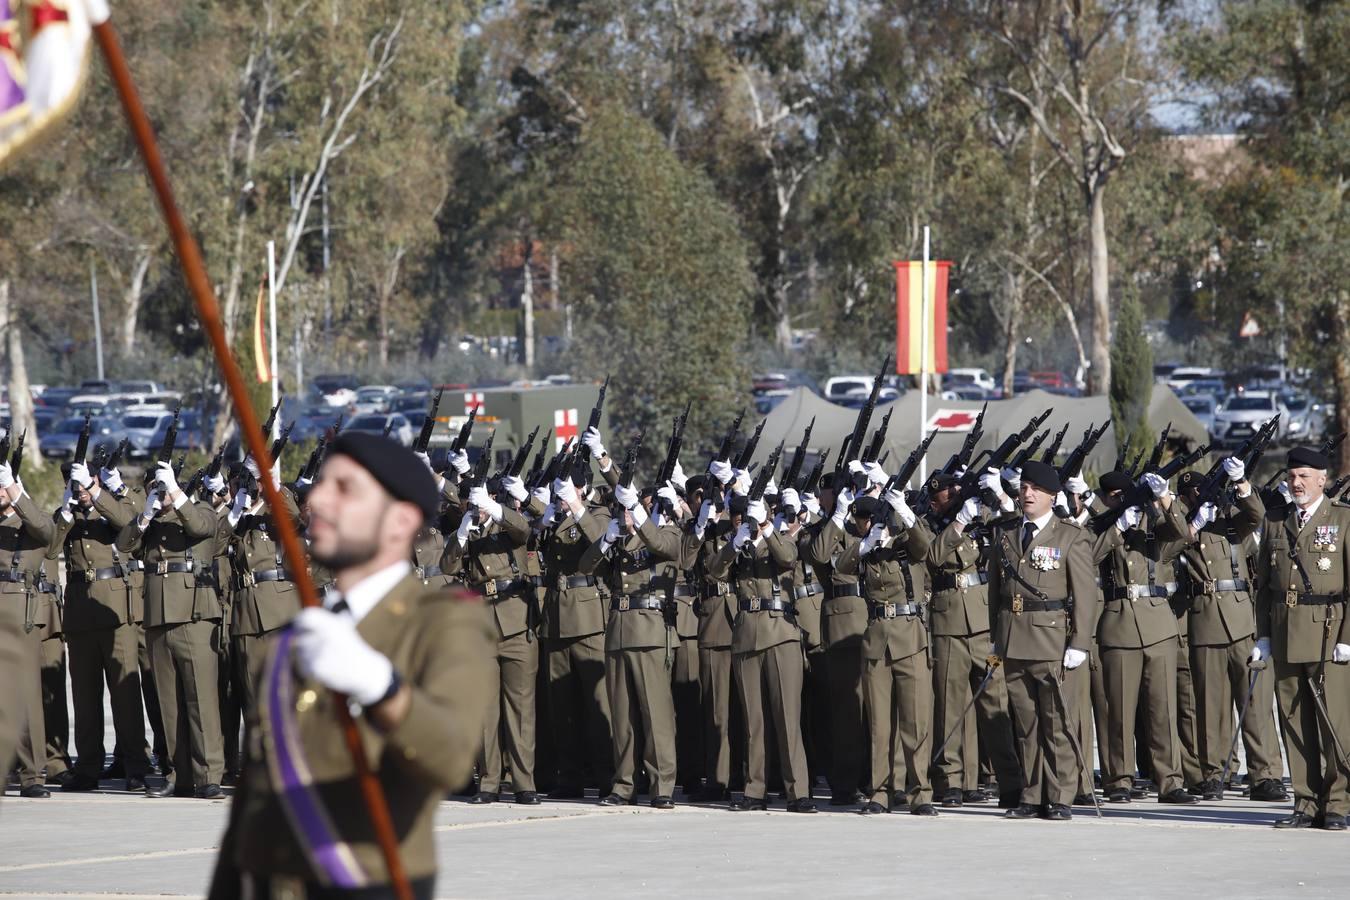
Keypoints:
(118, 845)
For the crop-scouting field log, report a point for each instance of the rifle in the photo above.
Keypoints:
(878, 438)
(960, 458)
(170, 438)
(555, 467)
(1333, 489)
(1029, 450)
(748, 451)
(860, 425)
(998, 458)
(16, 458)
(765, 474)
(1216, 479)
(599, 408)
(1329, 444)
(271, 420)
(316, 455)
(673, 447)
(115, 458)
(537, 466)
(630, 461)
(911, 464)
(794, 470)
(1122, 454)
(462, 439)
(4, 447)
(479, 473)
(522, 455)
(728, 440)
(279, 445)
(82, 442)
(1134, 471)
(1074, 464)
(388, 427)
(179, 463)
(1030, 429)
(429, 424)
(1155, 458)
(812, 481)
(195, 482)
(1053, 450)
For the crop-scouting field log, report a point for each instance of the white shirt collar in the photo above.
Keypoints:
(1039, 523)
(366, 594)
(1307, 511)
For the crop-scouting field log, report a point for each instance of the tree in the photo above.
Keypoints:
(1132, 378)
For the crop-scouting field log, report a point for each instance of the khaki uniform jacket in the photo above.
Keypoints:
(1043, 635)
(1221, 618)
(1145, 621)
(845, 618)
(717, 606)
(958, 611)
(441, 647)
(258, 607)
(188, 534)
(761, 570)
(90, 544)
(25, 537)
(573, 612)
(883, 573)
(627, 567)
(1299, 634)
(809, 609)
(494, 554)
(679, 550)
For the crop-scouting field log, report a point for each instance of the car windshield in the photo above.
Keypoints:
(370, 394)
(1199, 404)
(141, 422)
(70, 426)
(1296, 404)
(1248, 404)
(367, 422)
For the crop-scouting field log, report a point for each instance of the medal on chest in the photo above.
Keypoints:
(1324, 563)
(1326, 537)
(1045, 559)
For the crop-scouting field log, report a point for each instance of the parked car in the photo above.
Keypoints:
(1242, 414)
(97, 404)
(335, 390)
(97, 386)
(1202, 406)
(375, 423)
(969, 392)
(105, 432)
(140, 429)
(408, 403)
(1182, 375)
(766, 401)
(374, 398)
(140, 387)
(1307, 417)
(193, 434)
(959, 377)
(56, 397)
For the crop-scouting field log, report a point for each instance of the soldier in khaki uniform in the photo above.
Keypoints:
(102, 622)
(25, 534)
(1222, 624)
(488, 554)
(1304, 571)
(1042, 584)
(177, 539)
(573, 635)
(766, 650)
(638, 643)
(429, 547)
(958, 617)
(897, 677)
(808, 595)
(417, 660)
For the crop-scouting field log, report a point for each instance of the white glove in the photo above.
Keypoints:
(668, 494)
(875, 474)
(612, 533)
(1061, 501)
(515, 487)
(990, 481)
(895, 497)
(1156, 483)
(742, 536)
(1013, 477)
(426, 460)
(842, 501)
(459, 461)
(1075, 484)
(479, 497)
(790, 499)
(1073, 658)
(151, 506)
(1234, 469)
(6, 475)
(252, 466)
(811, 504)
(79, 473)
(1207, 513)
(721, 470)
(1341, 653)
(677, 475)
(628, 496)
(329, 650)
(756, 512)
(164, 477)
(969, 511)
(704, 512)
(566, 491)
(1128, 519)
(874, 539)
(66, 499)
(111, 478)
(1284, 492)
(771, 489)
(1261, 650)
(216, 483)
(541, 494)
(855, 467)
(467, 526)
(741, 483)
(591, 439)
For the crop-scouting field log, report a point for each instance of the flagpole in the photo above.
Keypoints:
(923, 356)
(98, 327)
(272, 322)
(194, 273)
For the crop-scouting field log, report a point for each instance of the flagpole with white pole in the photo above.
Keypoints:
(923, 356)
(272, 320)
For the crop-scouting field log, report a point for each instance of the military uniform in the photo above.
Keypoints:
(183, 634)
(103, 616)
(717, 609)
(573, 632)
(809, 601)
(1048, 609)
(25, 534)
(1303, 573)
(897, 675)
(263, 593)
(493, 564)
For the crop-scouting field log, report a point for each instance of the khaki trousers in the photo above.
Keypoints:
(107, 656)
(578, 704)
(1221, 675)
(771, 682)
(509, 725)
(640, 704)
(898, 696)
(186, 671)
(1148, 674)
(1321, 782)
(1049, 767)
(958, 669)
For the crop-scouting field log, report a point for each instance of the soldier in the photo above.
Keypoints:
(215, 494)
(1222, 625)
(177, 539)
(958, 563)
(808, 600)
(55, 704)
(573, 636)
(430, 544)
(415, 659)
(638, 641)
(1304, 571)
(1138, 635)
(488, 553)
(102, 622)
(1041, 580)
(25, 534)
(684, 671)
(766, 650)
(897, 677)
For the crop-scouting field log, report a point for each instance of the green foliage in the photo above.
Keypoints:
(1131, 374)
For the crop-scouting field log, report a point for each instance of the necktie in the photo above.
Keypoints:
(1028, 533)
(1303, 516)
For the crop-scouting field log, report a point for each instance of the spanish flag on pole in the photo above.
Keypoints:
(260, 356)
(910, 329)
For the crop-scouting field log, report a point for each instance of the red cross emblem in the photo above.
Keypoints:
(564, 426)
(952, 420)
(473, 400)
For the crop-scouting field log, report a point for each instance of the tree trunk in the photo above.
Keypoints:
(21, 419)
(383, 299)
(1099, 375)
(1014, 328)
(131, 298)
(527, 308)
(1340, 374)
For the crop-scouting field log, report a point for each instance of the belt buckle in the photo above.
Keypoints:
(889, 610)
(250, 579)
(1017, 605)
(490, 587)
(754, 605)
(1291, 598)
(162, 567)
(1211, 587)
(624, 605)
(90, 576)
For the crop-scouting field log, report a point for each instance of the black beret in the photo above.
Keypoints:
(394, 466)
(301, 492)
(867, 507)
(941, 480)
(693, 484)
(1309, 458)
(1189, 480)
(1043, 475)
(739, 504)
(1115, 480)
(826, 481)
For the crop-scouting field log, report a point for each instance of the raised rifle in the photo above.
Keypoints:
(1134, 471)
(429, 423)
(673, 447)
(878, 438)
(1334, 489)
(1053, 450)
(1123, 455)
(478, 474)
(765, 474)
(911, 464)
(984, 458)
(537, 465)
(1155, 458)
(82, 442)
(812, 482)
(1029, 450)
(279, 445)
(748, 451)
(170, 438)
(271, 420)
(630, 461)
(961, 457)
(388, 427)
(998, 458)
(728, 439)
(1078, 455)
(195, 482)
(854, 441)
(557, 466)
(599, 408)
(461, 441)
(794, 469)
(115, 458)
(16, 458)
(1329, 444)
(522, 455)
(179, 463)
